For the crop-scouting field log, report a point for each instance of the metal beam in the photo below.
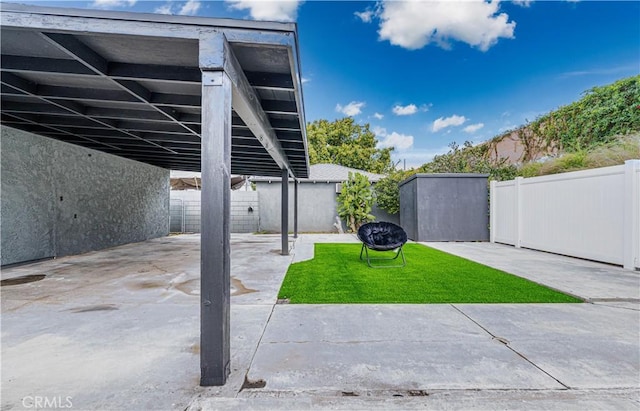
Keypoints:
(70, 45)
(294, 61)
(89, 94)
(215, 265)
(117, 113)
(32, 122)
(276, 124)
(63, 121)
(216, 54)
(25, 64)
(153, 25)
(11, 106)
(270, 81)
(171, 138)
(284, 212)
(127, 71)
(121, 71)
(142, 96)
(30, 88)
(281, 124)
(295, 208)
(280, 107)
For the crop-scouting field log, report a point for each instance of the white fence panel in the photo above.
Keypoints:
(503, 223)
(632, 214)
(592, 214)
(579, 214)
(636, 212)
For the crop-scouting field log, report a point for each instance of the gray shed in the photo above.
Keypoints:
(445, 207)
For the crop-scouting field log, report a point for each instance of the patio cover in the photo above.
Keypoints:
(130, 84)
(218, 96)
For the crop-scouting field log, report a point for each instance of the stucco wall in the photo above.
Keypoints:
(317, 207)
(60, 199)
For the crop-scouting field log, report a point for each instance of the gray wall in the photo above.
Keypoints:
(242, 220)
(445, 207)
(60, 199)
(317, 207)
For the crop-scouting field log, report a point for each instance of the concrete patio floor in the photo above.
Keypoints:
(119, 329)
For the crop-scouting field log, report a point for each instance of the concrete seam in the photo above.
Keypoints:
(253, 356)
(506, 344)
(615, 306)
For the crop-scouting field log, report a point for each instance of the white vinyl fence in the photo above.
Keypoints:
(592, 214)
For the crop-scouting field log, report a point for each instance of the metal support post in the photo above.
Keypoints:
(295, 208)
(285, 211)
(215, 247)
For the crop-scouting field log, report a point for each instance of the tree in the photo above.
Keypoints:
(355, 201)
(346, 143)
(387, 190)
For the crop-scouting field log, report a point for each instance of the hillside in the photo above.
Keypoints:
(599, 118)
(600, 129)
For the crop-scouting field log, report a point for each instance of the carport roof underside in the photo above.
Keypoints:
(130, 84)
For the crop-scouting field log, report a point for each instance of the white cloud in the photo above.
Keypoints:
(164, 9)
(378, 116)
(110, 4)
(276, 10)
(620, 69)
(401, 142)
(472, 128)
(407, 110)
(304, 80)
(379, 131)
(352, 109)
(190, 8)
(414, 24)
(454, 120)
(522, 3)
(366, 16)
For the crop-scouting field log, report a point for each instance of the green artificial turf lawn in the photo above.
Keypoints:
(337, 276)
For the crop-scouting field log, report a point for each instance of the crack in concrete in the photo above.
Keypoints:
(355, 342)
(506, 344)
(413, 392)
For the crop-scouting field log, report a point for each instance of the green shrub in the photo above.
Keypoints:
(387, 191)
(355, 201)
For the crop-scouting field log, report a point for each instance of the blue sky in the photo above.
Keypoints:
(424, 74)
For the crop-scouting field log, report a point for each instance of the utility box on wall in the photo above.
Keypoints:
(445, 207)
